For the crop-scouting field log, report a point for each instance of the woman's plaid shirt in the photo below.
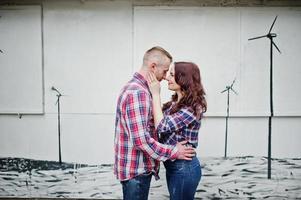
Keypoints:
(179, 126)
(136, 145)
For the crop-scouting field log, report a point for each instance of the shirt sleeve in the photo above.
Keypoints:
(137, 110)
(176, 121)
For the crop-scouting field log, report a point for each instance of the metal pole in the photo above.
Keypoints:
(59, 129)
(226, 134)
(271, 109)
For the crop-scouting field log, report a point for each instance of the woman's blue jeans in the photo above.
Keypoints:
(137, 188)
(183, 178)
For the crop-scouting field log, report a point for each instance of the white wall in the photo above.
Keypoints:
(91, 49)
(217, 40)
(21, 77)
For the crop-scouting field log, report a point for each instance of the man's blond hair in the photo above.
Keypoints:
(156, 52)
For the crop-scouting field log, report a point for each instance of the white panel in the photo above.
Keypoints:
(29, 137)
(21, 61)
(84, 138)
(211, 137)
(286, 137)
(255, 69)
(287, 76)
(246, 136)
(249, 136)
(256, 60)
(88, 138)
(88, 54)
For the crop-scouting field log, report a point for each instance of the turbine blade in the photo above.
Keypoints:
(53, 88)
(273, 24)
(234, 91)
(257, 37)
(276, 46)
(224, 90)
(233, 83)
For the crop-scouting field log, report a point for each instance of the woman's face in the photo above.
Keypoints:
(172, 85)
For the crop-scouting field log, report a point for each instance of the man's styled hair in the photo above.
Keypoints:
(156, 52)
(160, 49)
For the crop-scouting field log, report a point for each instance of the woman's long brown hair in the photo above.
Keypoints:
(187, 75)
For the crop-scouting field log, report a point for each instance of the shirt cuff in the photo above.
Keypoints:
(174, 153)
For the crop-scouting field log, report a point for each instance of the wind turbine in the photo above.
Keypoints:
(228, 89)
(59, 121)
(270, 36)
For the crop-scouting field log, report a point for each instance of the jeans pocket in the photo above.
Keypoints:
(175, 167)
(180, 167)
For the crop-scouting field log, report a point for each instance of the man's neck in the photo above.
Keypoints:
(143, 72)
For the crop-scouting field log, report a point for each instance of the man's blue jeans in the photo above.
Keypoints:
(137, 188)
(183, 178)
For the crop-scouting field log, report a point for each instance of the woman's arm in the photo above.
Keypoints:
(157, 110)
(154, 86)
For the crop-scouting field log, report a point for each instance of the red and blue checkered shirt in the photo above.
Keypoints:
(136, 145)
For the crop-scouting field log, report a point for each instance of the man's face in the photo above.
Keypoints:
(161, 70)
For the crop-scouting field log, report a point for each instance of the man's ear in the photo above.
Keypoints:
(153, 66)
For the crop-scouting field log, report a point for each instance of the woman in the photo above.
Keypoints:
(181, 121)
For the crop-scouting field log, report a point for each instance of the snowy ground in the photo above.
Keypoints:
(232, 178)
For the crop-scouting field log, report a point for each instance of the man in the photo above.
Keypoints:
(137, 150)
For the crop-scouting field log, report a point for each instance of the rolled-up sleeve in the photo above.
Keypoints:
(177, 121)
(137, 109)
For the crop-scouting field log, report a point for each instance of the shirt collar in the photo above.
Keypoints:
(139, 78)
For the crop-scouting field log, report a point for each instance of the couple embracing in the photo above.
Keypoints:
(146, 133)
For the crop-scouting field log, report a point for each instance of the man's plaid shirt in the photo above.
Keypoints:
(136, 145)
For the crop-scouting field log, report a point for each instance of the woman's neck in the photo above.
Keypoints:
(180, 95)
